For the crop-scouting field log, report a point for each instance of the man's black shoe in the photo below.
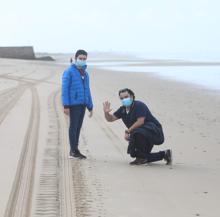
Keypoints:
(81, 156)
(168, 157)
(142, 161)
(139, 161)
(134, 162)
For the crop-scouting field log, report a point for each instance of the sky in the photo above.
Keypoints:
(139, 26)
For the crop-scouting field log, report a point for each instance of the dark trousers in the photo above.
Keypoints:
(141, 148)
(77, 114)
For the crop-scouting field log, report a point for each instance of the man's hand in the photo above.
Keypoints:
(127, 136)
(107, 107)
(90, 113)
(66, 111)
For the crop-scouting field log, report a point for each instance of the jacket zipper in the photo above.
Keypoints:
(83, 80)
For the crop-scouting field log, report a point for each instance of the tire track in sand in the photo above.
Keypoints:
(10, 97)
(8, 100)
(55, 196)
(110, 134)
(20, 198)
(68, 202)
(82, 190)
(67, 187)
(48, 195)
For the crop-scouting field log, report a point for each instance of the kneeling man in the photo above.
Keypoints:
(143, 129)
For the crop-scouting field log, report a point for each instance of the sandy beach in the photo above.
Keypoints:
(38, 179)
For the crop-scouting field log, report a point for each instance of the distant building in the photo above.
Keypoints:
(26, 52)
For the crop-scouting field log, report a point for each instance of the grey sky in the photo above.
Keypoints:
(118, 25)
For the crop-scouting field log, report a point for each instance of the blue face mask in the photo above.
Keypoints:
(80, 63)
(127, 102)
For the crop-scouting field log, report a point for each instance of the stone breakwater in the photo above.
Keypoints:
(25, 52)
(17, 52)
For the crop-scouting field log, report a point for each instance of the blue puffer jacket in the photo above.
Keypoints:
(75, 90)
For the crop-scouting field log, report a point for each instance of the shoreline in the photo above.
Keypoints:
(180, 81)
(164, 69)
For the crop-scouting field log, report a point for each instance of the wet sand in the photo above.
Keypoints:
(39, 179)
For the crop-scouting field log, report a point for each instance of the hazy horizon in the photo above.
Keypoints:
(169, 28)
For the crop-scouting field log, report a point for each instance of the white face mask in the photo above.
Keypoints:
(80, 63)
(127, 102)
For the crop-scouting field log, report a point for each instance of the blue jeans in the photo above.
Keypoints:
(77, 113)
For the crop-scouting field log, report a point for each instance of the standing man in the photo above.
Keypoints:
(143, 129)
(76, 97)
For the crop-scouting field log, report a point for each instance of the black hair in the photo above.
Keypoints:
(131, 93)
(80, 52)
